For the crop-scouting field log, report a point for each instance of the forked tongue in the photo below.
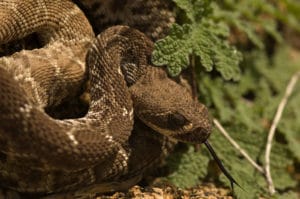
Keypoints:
(221, 166)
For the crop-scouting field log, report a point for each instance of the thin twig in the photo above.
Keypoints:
(237, 146)
(288, 92)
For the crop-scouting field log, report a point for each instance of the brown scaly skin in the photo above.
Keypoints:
(152, 17)
(99, 152)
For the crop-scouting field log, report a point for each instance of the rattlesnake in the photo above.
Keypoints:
(99, 152)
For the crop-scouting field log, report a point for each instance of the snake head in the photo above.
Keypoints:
(168, 107)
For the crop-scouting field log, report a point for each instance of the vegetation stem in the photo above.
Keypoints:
(288, 91)
(237, 146)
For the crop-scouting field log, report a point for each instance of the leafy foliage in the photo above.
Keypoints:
(251, 17)
(193, 162)
(245, 108)
(200, 37)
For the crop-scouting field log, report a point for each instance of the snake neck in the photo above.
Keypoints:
(117, 59)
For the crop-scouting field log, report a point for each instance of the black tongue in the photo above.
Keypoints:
(221, 166)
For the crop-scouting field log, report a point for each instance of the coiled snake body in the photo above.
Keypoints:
(100, 151)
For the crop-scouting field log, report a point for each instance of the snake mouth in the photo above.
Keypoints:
(198, 135)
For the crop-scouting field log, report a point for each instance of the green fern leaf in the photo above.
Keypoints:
(202, 38)
(175, 49)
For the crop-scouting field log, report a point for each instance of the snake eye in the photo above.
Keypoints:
(176, 120)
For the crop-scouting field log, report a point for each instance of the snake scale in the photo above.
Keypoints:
(136, 112)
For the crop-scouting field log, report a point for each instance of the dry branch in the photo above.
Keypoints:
(288, 91)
